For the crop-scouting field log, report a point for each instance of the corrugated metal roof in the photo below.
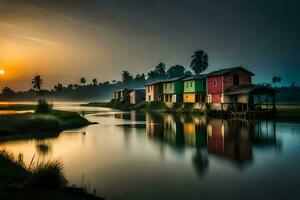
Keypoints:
(168, 80)
(244, 89)
(174, 79)
(195, 77)
(154, 82)
(228, 70)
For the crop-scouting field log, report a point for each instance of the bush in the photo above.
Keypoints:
(43, 107)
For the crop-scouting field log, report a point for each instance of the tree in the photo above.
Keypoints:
(199, 61)
(160, 70)
(37, 83)
(276, 79)
(126, 77)
(151, 75)
(83, 80)
(58, 88)
(176, 71)
(7, 91)
(95, 81)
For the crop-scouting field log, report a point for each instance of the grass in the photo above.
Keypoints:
(17, 107)
(288, 112)
(55, 121)
(39, 180)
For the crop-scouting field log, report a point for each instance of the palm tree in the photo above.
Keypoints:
(126, 77)
(95, 81)
(83, 81)
(276, 79)
(199, 61)
(160, 69)
(151, 75)
(37, 83)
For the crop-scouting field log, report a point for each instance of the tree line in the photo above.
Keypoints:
(95, 90)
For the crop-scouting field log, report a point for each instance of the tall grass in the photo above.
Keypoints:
(38, 175)
(47, 175)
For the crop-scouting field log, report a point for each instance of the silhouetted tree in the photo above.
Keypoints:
(293, 85)
(276, 79)
(151, 75)
(37, 83)
(126, 77)
(160, 70)
(83, 80)
(95, 81)
(70, 87)
(176, 71)
(58, 88)
(7, 91)
(199, 61)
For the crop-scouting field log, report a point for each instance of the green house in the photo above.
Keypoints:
(173, 89)
(194, 89)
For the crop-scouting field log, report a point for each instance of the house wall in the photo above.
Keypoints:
(178, 85)
(133, 97)
(194, 86)
(169, 88)
(153, 92)
(215, 85)
(189, 98)
(244, 79)
(189, 86)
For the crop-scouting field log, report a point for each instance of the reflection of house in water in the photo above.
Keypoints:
(180, 130)
(234, 139)
(154, 125)
(173, 130)
(194, 129)
(228, 139)
(264, 134)
(132, 116)
(135, 119)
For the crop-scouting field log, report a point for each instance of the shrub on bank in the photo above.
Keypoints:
(43, 107)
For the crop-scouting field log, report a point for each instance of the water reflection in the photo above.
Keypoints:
(174, 156)
(229, 139)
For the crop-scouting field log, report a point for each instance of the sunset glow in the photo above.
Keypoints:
(2, 72)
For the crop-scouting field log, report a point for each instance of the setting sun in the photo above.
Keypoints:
(2, 72)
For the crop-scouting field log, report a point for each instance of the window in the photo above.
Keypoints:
(187, 84)
(215, 83)
(236, 79)
(149, 97)
(191, 84)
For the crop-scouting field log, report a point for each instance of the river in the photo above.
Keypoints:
(130, 155)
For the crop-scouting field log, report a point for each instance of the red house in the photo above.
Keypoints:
(221, 80)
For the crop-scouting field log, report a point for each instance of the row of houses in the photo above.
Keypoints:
(225, 87)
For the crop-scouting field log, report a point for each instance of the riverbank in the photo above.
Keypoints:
(154, 106)
(39, 180)
(32, 123)
(17, 107)
(285, 112)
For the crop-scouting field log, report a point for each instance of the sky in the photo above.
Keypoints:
(64, 40)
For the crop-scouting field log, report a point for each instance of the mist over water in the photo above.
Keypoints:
(131, 155)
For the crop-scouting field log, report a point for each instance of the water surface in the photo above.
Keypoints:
(165, 156)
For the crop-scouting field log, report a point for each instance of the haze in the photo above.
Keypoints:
(63, 40)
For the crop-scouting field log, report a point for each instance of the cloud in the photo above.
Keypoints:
(34, 39)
